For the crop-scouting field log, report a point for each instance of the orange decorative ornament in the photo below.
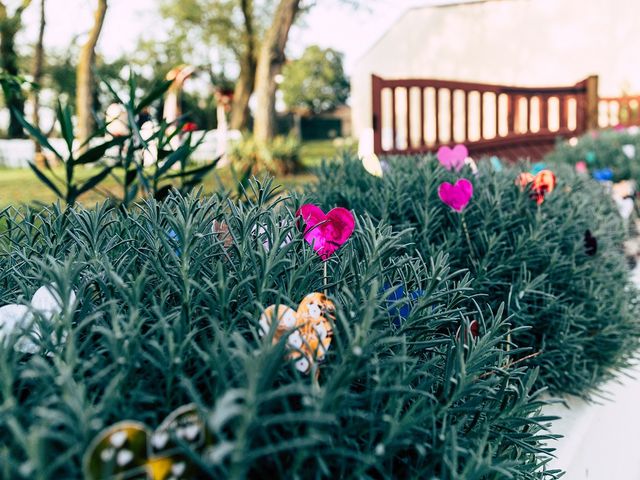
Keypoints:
(309, 329)
(543, 183)
(524, 179)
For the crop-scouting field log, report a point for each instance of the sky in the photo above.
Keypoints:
(329, 24)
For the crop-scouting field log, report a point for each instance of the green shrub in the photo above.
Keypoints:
(281, 156)
(602, 150)
(161, 321)
(580, 309)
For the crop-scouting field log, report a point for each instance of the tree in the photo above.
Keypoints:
(270, 62)
(315, 82)
(84, 76)
(38, 63)
(248, 62)
(10, 25)
(232, 27)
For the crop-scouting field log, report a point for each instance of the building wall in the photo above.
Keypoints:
(516, 42)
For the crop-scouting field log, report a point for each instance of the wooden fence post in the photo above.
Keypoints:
(592, 102)
(376, 113)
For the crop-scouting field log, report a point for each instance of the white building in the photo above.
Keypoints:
(513, 42)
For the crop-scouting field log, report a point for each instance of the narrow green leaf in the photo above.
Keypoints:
(96, 153)
(95, 180)
(157, 92)
(44, 179)
(66, 125)
(196, 171)
(177, 156)
(36, 133)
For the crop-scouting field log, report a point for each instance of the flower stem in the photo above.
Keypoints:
(468, 237)
(324, 282)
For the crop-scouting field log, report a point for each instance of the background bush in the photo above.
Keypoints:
(281, 156)
(163, 321)
(601, 150)
(581, 310)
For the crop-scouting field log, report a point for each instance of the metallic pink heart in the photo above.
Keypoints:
(326, 232)
(456, 196)
(453, 158)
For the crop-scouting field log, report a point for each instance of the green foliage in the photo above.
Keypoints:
(600, 150)
(279, 157)
(10, 25)
(227, 27)
(316, 81)
(162, 321)
(581, 310)
(125, 153)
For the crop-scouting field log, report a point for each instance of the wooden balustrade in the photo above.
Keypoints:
(482, 116)
(619, 111)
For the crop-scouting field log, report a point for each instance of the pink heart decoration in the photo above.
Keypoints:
(453, 158)
(456, 196)
(326, 232)
(581, 167)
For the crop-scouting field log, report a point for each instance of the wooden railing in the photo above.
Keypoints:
(419, 115)
(619, 111)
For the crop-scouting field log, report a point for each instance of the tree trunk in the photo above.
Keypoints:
(9, 27)
(85, 83)
(270, 64)
(246, 80)
(38, 61)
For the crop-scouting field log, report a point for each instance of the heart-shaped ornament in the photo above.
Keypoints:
(603, 175)
(326, 232)
(581, 167)
(453, 158)
(629, 150)
(471, 163)
(590, 243)
(495, 163)
(372, 165)
(399, 303)
(624, 189)
(309, 329)
(260, 231)
(468, 331)
(19, 319)
(130, 450)
(456, 196)
(625, 206)
(536, 168)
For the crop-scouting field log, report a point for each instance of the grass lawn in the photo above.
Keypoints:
(314, 151)
(21, 186)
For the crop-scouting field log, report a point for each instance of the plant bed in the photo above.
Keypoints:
(578, 307)
(166, 311)
(607, 154)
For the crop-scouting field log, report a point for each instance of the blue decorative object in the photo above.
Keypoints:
(603, 175)
(536, 168)
(174, 236)
(495, 163)
(398, 296)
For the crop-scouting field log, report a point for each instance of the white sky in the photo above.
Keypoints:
(330, 24)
